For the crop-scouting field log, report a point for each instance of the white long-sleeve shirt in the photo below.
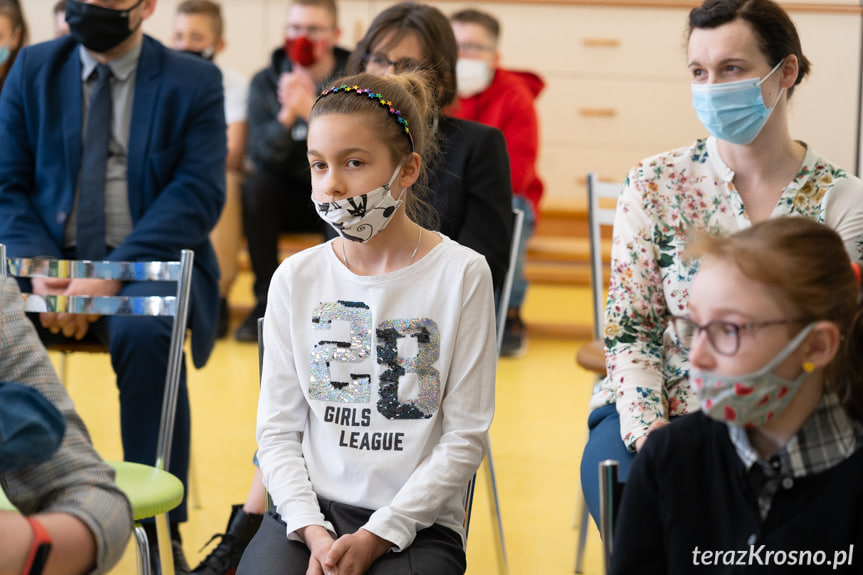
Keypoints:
(377, 391)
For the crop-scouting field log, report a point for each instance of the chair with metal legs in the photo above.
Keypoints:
(610, 493)
(601, 202)
(152, 490)
(488, 463)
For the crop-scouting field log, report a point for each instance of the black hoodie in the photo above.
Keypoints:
(272, 147)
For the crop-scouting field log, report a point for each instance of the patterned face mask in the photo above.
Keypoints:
(752, 399)
(361, 217)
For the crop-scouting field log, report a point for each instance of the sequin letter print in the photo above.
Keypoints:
(427, 336)
(408, 387)
(357, 350)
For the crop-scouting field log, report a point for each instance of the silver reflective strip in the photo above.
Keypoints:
(122, 271)
(115, 305)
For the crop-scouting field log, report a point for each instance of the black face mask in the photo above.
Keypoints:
(98, 29)
(206, 53)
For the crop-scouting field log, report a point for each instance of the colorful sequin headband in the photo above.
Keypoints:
(380, 99)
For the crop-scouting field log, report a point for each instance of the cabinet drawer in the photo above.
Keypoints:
(586, 111)
(598, 41)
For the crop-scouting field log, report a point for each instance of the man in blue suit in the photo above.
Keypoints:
(113, 147)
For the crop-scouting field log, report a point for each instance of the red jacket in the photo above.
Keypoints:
(508, 105)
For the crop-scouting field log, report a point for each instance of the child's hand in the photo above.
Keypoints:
(353, 554)
(319, 541)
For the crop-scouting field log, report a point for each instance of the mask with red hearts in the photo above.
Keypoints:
(752, 399)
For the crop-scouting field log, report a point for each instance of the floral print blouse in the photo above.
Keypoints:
(663, 197)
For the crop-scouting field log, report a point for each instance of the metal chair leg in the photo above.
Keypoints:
(582, 536)
(582, 515)
(143, 550)
(163, 540)
(502, 564)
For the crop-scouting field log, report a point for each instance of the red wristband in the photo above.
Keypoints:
(39, 548)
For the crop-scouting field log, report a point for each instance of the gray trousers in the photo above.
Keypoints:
(435, 551)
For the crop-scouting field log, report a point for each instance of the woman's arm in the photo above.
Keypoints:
(635, 313)
(843, 210)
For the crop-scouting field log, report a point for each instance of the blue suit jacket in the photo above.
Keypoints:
(176, 162)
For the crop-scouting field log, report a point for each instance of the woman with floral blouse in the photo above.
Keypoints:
(745, 59)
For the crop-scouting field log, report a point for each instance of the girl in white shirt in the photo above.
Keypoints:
(377, 389)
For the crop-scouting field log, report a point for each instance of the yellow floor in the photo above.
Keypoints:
(536, 438)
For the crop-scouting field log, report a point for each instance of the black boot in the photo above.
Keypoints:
(223, 560)
(248, 330)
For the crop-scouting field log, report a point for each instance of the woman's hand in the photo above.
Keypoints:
(639, 443)
(354, 553)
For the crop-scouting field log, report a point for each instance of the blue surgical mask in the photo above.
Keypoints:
(733, 111)
(751, 399)
(4, 54)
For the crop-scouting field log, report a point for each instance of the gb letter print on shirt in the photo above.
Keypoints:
(358, 387)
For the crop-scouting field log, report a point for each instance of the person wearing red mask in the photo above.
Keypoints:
(276, 193)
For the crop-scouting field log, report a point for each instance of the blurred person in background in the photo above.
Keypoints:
(503, 99)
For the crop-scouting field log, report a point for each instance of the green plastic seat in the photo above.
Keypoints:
(151, 491)
(4, 503)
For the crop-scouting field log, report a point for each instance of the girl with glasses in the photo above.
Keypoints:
(768, 472)
(745, 60)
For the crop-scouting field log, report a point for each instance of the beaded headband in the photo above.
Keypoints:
(380, 99)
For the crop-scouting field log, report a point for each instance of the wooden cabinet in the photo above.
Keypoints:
(618, 87)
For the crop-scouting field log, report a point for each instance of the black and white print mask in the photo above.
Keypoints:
(361, 217)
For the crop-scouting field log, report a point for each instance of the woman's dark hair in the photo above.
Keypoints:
(12, 9)
(434, 33)
(410, 94)
(805, 265)
(777, 36)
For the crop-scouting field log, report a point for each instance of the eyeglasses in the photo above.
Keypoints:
(473, 49)
(724, 336)
(310, 32)
(377, 63)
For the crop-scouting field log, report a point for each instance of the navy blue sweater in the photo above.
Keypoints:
(687, 499)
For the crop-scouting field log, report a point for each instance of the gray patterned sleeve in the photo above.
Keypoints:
(75, 480)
